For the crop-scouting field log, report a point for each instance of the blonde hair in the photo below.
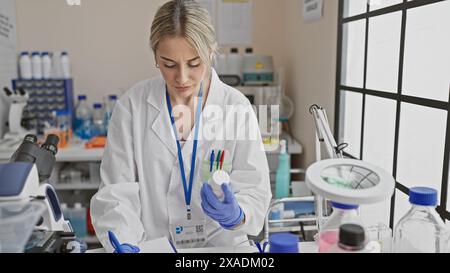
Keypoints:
(187, 19)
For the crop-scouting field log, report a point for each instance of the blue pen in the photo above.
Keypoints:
(261, 248)
(211, 162)
(173, 246)
(114, 242)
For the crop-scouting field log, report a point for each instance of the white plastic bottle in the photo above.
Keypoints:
(221, 64)
(109, 107)
(83, 118)
(234, 63)
(342, 214)
(46, 65)
(56, 66)
(218, 178)
(25, 66)
(65, 65)
(421, 230)
(66, 212)
(36, 62)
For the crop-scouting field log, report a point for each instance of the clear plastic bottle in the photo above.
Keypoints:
(421, 229)
(78, 220)
(109, 107)
(234, 63)
(98, 119)
(342, 214)
(25, 66)
(36, 62)
(283, 175)
(83, 119)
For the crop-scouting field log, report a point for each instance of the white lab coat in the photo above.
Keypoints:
(141, 192)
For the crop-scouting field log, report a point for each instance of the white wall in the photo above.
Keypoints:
(108, 39)
(310, 60)
(8, 47)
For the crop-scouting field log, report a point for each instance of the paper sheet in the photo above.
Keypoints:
(160, 245)
(312, 10)
(234, 22)
(211, 6)
(8, 54)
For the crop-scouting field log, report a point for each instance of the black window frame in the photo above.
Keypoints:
(397, 96)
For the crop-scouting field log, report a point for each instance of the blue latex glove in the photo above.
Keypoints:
(227, 213)
(121, 248)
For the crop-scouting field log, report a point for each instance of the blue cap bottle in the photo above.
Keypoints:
(283, 243)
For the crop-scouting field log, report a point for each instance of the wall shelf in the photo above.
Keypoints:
(74, 153)
(77, 186)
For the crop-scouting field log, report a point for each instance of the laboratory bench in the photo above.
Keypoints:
(76, 153)
(304, 247)
(78, 188)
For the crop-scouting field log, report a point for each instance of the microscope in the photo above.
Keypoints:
(18, 99)
(25, 179)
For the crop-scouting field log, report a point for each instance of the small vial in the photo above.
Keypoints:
(218, 178)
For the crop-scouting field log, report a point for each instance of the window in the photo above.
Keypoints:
(393, 94)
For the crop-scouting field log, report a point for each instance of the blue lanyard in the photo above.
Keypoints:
(187, 188)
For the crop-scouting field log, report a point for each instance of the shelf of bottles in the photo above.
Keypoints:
(45, 97)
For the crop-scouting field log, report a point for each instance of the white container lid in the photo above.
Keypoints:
(220, 177)
(78, 206)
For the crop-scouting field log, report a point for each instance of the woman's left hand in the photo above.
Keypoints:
(227, 213)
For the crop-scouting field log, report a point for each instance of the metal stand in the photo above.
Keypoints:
(324, 135)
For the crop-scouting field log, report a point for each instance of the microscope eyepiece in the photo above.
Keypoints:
(51, 144)
(21, 91)
(30, 139)
(7, 91)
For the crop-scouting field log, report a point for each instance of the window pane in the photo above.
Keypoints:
(383, 52)
(448, 190)
(379, 132)
(354, 7)
(421, 146)
(427, 56)
(378, 4)
(353, 53)
(402, 206)
(350, 124)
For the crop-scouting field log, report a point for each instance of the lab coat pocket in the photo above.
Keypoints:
(210, 166)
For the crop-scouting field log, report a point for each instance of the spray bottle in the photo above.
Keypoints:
(283, 176)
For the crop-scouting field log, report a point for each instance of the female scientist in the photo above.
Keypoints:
(163, 146)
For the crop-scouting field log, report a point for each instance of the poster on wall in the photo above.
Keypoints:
(8, 55)
(312, 10)
(234, 22)
(211, 7)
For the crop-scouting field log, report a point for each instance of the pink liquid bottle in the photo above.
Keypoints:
(329, 233)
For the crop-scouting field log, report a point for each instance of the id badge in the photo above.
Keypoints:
(189, 234)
